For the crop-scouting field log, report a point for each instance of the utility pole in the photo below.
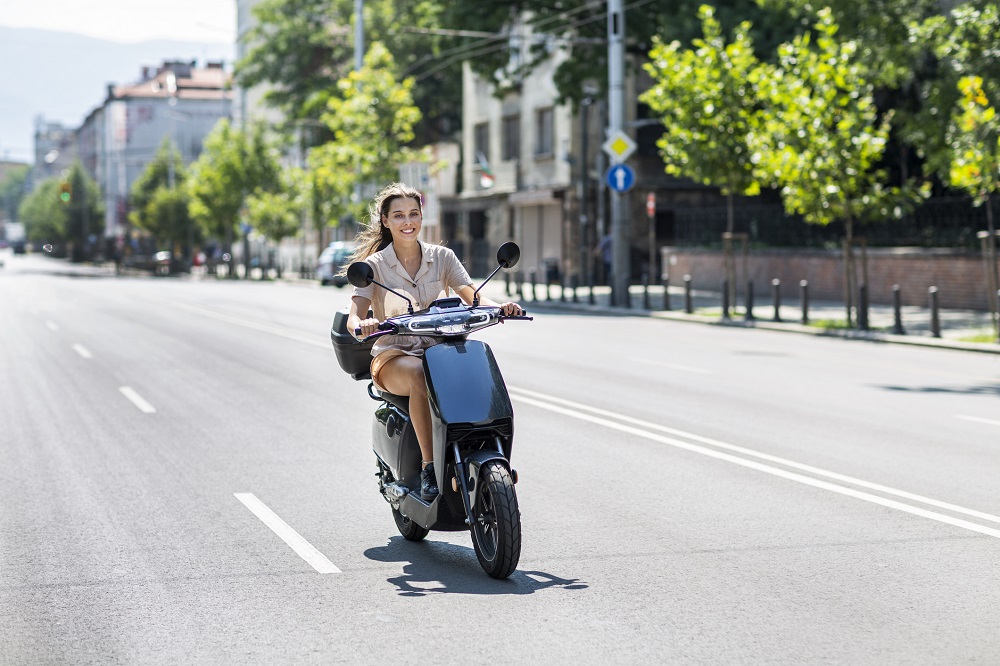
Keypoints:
(616, 108)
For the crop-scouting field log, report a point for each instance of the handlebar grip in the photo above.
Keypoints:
(383, 326)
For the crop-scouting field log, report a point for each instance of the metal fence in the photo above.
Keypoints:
(939, 222)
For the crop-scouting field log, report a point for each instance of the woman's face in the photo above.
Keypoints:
(403, 219)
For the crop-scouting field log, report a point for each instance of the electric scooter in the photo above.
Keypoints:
(472, 421)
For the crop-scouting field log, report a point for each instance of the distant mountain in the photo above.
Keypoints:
(64, 77)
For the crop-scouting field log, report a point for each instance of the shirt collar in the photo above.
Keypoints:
(396, 265)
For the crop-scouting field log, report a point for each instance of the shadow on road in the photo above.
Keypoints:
(442, 568)
(986, 389)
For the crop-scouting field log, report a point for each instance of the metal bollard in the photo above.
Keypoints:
(506, 284)
(688, 301)
(575, 284)
(776, 297)
(935, 319)
(531, 283)
(666, 292)
(590, 288)
(546, 286)
(725, 299)
(863, 307)
(749, 313)
(897, 311)
(562, 290)
(804, 298)
(645, 291)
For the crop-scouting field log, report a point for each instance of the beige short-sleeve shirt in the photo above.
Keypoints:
(440, 271)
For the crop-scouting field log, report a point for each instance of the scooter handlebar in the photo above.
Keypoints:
(385, 328)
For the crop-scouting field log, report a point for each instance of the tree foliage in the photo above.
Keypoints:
(823, 138)
(580, 27)
(12, 191)
(277, 214)
(158, 201)
(372, 121)
(708, 106)
(301, 48)
(233, 165)
(49, 219)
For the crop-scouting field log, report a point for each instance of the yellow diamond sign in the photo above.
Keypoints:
(619, 146)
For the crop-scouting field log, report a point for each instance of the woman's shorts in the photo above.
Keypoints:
(379, 362)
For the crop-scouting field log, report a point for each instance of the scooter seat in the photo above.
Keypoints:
(401, 401)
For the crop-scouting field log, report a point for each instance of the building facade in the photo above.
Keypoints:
(177, 103)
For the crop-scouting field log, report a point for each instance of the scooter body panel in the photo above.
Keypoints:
(465, 384)
(395, 442)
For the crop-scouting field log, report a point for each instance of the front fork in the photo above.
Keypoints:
(463, 478)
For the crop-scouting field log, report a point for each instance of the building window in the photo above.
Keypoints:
(511, 138)
(543, 131)
(481, 141)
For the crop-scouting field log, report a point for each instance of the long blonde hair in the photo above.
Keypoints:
(376, 236)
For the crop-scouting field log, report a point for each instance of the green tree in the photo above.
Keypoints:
(963, 43)
(278, 214)
(303, 47)
(43, 214)
(580, 27)
(159, 202)
(85, 213)
(71, 221)
(299, 48)
(974, 137)
(233, 165)
(372, 122)
(708, 107)
(12, 192)
(822, 137)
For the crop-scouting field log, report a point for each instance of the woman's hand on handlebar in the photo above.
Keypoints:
(367, 327)
(511, 309)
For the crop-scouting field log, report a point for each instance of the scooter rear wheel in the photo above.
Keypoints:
(496, 535)
(409, 529)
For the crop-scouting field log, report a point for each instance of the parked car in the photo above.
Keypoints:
(330, 262)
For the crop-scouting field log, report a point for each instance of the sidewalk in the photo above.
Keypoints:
(968, 330)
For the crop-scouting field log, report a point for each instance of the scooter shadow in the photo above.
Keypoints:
(444, 568)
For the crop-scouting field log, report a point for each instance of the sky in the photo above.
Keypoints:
(127, 20)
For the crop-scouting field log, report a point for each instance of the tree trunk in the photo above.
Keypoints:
(991, 257)
(850, 279)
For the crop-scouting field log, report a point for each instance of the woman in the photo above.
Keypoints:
(424, 273)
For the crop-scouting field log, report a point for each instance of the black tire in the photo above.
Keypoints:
(409, 529)
(496, 536)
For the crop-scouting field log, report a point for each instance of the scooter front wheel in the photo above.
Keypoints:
(496, 534)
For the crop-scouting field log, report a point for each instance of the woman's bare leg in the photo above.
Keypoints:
(404, 375)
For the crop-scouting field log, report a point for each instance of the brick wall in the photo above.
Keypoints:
(959, 276)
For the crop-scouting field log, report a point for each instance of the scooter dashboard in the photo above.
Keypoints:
(449, 322)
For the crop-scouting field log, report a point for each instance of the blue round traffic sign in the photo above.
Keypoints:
(620, 177)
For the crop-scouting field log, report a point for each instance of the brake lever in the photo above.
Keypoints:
(385, 328)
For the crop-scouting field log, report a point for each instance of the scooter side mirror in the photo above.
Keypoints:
(360, 274)
(508, 255)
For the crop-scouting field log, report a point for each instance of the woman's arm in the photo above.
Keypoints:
(368, 326)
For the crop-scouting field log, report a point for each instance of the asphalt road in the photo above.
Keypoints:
(689, 493)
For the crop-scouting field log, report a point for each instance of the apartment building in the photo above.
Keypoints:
(178, 102)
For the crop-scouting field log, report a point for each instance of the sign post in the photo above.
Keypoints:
(651, 214)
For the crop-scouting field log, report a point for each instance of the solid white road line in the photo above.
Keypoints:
(82, 351)
(303, 548)
(546, 402)
(137, 399)
(977, 419)
(52, 326)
